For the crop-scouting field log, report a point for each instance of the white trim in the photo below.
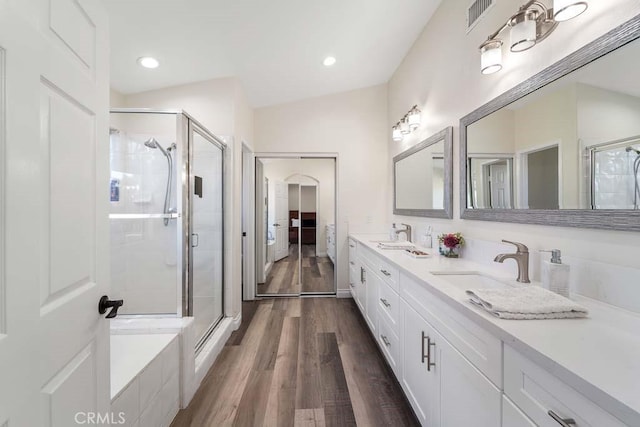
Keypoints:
(248, 223)
(344, 293)
(213, 346)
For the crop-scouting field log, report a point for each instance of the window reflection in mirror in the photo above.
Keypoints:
(574, 143)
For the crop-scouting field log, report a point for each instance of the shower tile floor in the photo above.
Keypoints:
(299, 362)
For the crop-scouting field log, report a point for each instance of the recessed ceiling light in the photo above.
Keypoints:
(148, 62)
(329, 61)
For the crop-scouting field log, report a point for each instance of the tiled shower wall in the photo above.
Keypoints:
(613, 179)
(144, 252)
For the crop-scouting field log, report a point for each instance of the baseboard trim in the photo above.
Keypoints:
(343, 293)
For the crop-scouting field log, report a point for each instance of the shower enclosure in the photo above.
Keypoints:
(615, 174)
(166, 217)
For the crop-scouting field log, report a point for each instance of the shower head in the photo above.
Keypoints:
(153, 143)
(630, 149)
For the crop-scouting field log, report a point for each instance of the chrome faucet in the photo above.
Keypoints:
(522, 258)
(406, 231)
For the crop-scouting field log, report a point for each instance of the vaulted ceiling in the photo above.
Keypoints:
(275, 48)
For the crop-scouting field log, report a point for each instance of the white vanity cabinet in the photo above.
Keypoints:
(444, 388)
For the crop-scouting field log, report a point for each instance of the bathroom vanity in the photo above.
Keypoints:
(459, 365)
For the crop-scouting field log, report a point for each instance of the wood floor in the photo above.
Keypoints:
(284, 277)
(299, 362)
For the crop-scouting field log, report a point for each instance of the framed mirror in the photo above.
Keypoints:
(423, 179)
(563, 147)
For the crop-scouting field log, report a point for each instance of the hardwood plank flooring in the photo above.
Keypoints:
(284, 277)
(299, 362)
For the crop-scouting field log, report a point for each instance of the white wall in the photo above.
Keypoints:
(221, 106)
(353, 125)
(444, 80)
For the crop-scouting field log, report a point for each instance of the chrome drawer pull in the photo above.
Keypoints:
(385, 302)
(564, 422)
(422, 353)
(385, 340)
(386, 273)
(430, 344)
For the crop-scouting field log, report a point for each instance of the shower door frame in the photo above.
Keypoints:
(193, 126)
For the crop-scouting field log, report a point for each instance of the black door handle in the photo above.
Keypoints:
(105, 303)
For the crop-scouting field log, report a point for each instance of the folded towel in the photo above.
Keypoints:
(529, 302)
(396, 245)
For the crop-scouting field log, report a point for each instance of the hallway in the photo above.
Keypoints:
(299, 362)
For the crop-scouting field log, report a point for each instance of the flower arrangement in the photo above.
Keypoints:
(450, 244)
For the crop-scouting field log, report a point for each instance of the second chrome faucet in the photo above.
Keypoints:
(521, 256)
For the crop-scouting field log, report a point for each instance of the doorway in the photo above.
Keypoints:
(295, 226)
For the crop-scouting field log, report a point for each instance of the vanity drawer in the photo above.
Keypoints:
(389, 302)
(381, 267)
(480, 347)
(390, 343)
(539, 394)
(353, 250)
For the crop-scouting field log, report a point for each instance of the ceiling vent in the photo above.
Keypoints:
(477, 10)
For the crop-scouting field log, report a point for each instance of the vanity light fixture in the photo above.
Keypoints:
(531, 24)
(396, 133)
(413, 117)
(407, 124)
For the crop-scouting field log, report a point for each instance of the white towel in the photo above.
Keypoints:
(529, 302)
(396, 245)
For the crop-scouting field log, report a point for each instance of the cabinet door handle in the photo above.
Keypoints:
(385, 302)
(564, 422)
(363, 277)
(352, 246)
(385, 272)
(385, 340)
(430, 344)
(352, 263)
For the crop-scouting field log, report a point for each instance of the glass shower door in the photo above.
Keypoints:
(206, 231)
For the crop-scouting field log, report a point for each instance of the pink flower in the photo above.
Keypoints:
(450, 241)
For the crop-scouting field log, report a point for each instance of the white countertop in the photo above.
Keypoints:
(130, 354)
(599, 356)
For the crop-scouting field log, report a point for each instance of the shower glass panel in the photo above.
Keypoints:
(615, 175)
(145, 256)
(206, 232)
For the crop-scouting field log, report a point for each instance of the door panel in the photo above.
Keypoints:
(54, 357)
(206, 232)
(281, 223)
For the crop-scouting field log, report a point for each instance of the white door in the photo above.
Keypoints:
(500, 186)
(54, 346)
(281, 223)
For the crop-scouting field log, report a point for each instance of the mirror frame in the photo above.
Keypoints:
(608, 219)
(445, 135)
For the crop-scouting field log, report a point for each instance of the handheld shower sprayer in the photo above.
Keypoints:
(153, 144)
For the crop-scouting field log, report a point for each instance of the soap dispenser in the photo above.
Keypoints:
(427, 239)
(555, 274)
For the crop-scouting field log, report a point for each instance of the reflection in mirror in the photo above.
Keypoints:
(422, 178)
(490, 182)
(574, 143)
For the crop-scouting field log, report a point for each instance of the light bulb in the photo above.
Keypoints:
(404, 126)
(396, 134)
(414, 118)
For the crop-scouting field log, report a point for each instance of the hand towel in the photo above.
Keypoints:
(529, 302)
(396, 245)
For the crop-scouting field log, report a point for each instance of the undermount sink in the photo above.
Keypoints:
(393, 245)
(471, 280)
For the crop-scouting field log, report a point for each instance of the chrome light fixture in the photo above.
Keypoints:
(491, 56)
(407, 124)
(396, 133)
(531, 24)
(413, 117)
